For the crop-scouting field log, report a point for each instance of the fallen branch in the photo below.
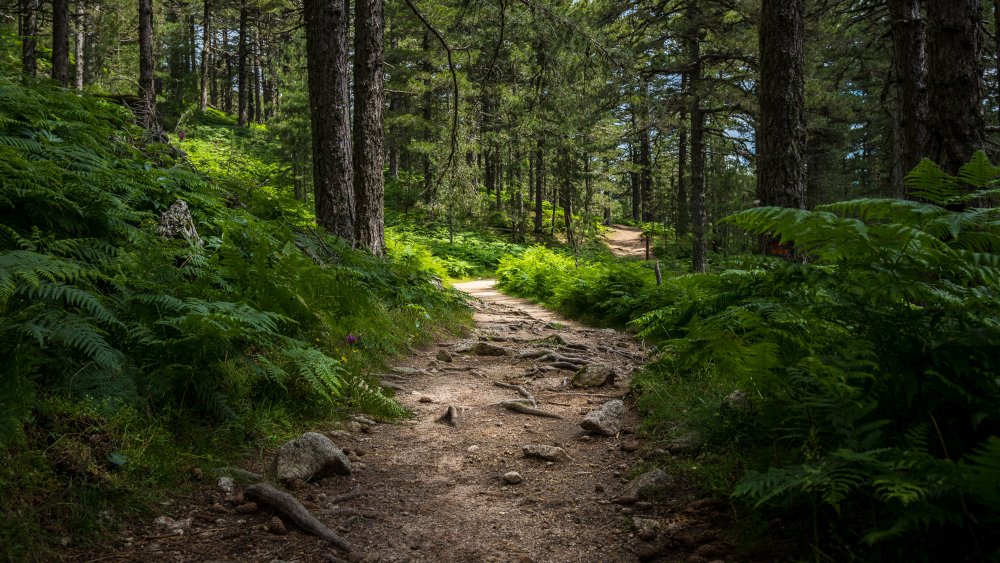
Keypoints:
(599, 396)
(523, 408)
(288, 506)
(520, 391)
(565, 365)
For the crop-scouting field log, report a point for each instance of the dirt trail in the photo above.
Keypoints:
(626, 242)
(436, 492)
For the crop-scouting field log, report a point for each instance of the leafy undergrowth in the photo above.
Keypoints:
(130, 358)
(851, 402)
(462, 255)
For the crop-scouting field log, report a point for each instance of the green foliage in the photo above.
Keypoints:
(873, 365)
(100, 315)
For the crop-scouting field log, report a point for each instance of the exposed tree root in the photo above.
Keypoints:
(288, 506)
(450, 416)
(520, 391)
(523, 408)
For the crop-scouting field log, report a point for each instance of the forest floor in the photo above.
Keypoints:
(423, 490)
(626, 242)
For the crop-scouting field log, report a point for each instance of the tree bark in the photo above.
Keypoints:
(80, 46)
(781, 129)
(910, 125)
(258, 71)
(206, 55)
(426, 114)
(147, 85)
(369, 134)
(955, 124)
(333, 175)
(699, 219)
(539, 182)
(645, 163)
(633, 173)
(29, 36)
(60, 41)
(243, 69)
(683, 205)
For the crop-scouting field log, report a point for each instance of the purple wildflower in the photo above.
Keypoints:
(352, 339)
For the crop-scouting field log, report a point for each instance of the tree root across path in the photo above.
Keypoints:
(289, 507)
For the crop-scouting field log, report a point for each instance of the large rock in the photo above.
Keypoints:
(487, 349)
(606, 420)
(593, 375)
(309, 457)
(647, 486)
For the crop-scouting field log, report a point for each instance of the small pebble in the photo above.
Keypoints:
(426, 399)
(512, 477)
(599, 488)
(472, 449)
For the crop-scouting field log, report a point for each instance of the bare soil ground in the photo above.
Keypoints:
(435, 492)
(626, 242)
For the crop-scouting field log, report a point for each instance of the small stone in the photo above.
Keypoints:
(598, 488)
(247, 508)
(426, 399)
(276, 526)
(546, 453)
(606, 420)
(594, 375)
(218, 508)
(512, 477)
(586, 438)
(227, 485)
(629, 446)
(472, 449)
(647, 486)
(444, 356)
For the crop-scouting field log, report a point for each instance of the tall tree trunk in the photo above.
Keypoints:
(147, 84)
(426, 114)
(206, 55)
(213, 73)
(60, 41)
(258, 71)
(781, 129)
(79, 46)
(539, 182)
(955, 122)
(699, 219)
(395, 105)
(910, 133)
(243, 69)
(633, 173)
(29, 36)
(227, 91)
(683, 205)
(333, 175)
(567, 197)
(369, 134)
(645, 162)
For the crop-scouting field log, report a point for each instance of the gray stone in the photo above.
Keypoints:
(647, 486)
(737, 402)
(547, 453)
(593, 375)
(444, 355)
(310, 456)
(177, 222)
(512, 477)
(606, 420)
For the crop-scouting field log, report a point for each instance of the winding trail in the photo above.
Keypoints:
(626, 242)
(435, 492)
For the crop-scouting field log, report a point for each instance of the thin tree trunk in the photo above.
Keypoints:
(227, 92)
(206, 55)
(427, 68)
(645, 163)
(699, 252)
(910, 132)
(956, 127)
(29, 36)
(243, 69)
(60, 41)
(369, 135)
(633, 174)
(258, 72)
(80, 46)
(683, 205)
(333, 175)
(147, 84)
(539, 182)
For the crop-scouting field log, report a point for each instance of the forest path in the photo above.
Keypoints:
(626, 242)
(436, 492)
